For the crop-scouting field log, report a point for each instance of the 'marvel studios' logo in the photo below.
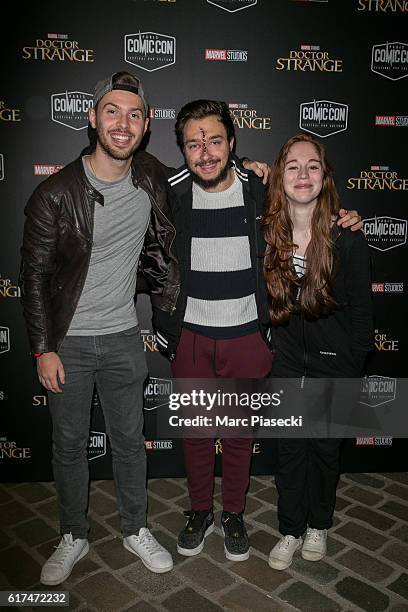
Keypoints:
(71, 109)
(391, 120)
(390, 60)
(150, 51)
(387, 287)
(162, 113)
(323, 118)
(46, 169)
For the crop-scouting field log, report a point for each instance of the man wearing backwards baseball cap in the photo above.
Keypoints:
(87, 231)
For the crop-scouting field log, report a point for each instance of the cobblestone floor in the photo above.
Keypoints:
(366, 567)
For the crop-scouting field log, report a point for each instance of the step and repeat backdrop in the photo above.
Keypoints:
(336, 69)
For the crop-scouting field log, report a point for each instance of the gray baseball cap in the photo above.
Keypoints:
(123, 81)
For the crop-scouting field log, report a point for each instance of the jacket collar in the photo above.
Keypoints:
(137, 176)
(91, 191)
(137, 169)
(240, 171)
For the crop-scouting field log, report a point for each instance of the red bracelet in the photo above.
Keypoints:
(38, 354)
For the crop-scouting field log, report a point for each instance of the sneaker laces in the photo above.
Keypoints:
(194, 519)
(148, 541)
(285, 541)
(314, 534)
(63, 549)
(235, 524)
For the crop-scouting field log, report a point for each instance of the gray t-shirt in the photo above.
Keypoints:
(107, 304)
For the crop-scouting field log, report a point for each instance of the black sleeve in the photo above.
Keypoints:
(357, 273)
(156, 257)
(38, 263)
(167, 328)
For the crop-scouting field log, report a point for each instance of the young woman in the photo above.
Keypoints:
(319, 290)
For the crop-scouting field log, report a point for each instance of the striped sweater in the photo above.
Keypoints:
(221, 282)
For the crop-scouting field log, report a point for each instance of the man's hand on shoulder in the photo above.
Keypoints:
(50, 372)
(261, 169)
(351, 219)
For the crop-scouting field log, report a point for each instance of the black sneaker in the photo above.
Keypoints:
(236, 541)
(199, 525)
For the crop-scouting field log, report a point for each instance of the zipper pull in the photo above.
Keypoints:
(302, 382)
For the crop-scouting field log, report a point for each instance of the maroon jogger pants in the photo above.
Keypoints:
(201, 357)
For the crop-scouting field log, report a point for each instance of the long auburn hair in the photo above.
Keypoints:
(315, 298)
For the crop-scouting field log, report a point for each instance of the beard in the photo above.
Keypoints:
(118, 154)
(214, 182)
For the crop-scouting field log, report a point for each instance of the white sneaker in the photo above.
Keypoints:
(156, 558)
(315, 545)
(60, 564)
(282, 553)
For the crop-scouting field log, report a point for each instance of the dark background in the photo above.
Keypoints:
(346, 30)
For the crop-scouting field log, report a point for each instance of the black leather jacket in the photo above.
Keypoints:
(336, 345)
(57, 248)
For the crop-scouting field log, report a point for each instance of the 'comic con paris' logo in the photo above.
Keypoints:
(232, 5)
(377, 390)
(323, 118)
(96, 445)
(71, 109)
(390, 60)
(4, 340)
(157, 392)
(385, 233)
(150, 51)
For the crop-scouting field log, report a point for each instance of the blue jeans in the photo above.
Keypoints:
(116, 363)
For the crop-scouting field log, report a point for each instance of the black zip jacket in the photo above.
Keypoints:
(57, 246)
(336, 345)
(167, 326)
